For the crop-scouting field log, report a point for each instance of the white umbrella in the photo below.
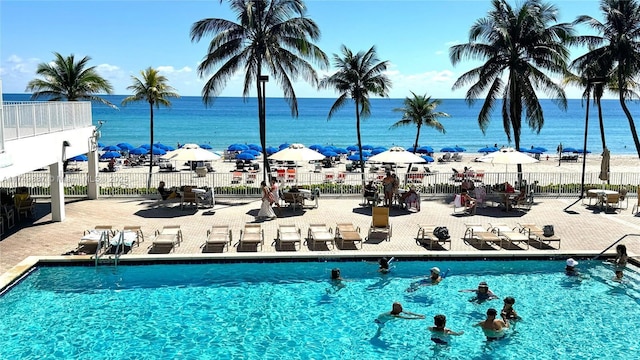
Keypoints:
(297, 152)
(190, 153)
(397, 155)
(508, 156)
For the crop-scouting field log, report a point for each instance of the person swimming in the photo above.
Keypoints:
(384, 265)
(336, 281)
(434, 279)
(397, 312)
(482, 293)
(570, 269)
(439, 332)
(508, 312)
(493, 329)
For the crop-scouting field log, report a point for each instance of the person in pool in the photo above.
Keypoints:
(570, 269)
(508, 312)
(482, 293)
(494, 329)
(620, 262)
(433, 279)
(618, 277)
(439, 332)
(384, 265)
(336, 280)
(397, 312)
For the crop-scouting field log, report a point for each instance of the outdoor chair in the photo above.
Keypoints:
(9, 215)
(624, 198)
(293, 199)
(320, 233)
(25, 207)
(427, 238)
(251, 235)
(288, 236)
(380, 222)
(590, 196)
(612, 202)
(460, 208)
(189, 197)
(508, 234)
(218, 236)
(636, 207)
(475, 233)
(347, 233)
(169, 237)
(99, 236)
(536, 233)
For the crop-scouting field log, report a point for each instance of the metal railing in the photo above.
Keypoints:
(30, 118)
(130, 184)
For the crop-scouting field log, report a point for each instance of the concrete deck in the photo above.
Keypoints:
(584, 231)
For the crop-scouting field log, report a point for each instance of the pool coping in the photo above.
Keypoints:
(22, 269)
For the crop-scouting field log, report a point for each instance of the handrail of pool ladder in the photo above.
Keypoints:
(103, 240)
(613, 244)
(119, 243)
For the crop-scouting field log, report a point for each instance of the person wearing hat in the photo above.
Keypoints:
(435, 277)
(482, 293)
(570, 269)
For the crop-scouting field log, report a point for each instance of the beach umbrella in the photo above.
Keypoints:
(190, 154)
(237, 147)
(352, 148)
(255, 147)
(126, 146)
(111, 148)
(543, 149)
(271, 150)
(425, 150)
(110, 155)
(297, 152)
(448, 149)
(146, 146)
(427, 158)
(317, 147)
(157, 151)
(459, 148)
(581, 151)
(507, 156)
(253, 152)
(190, 146)
(532, 151)
(284, 146)
(396, 155)
(139, 151)
(81, 157)
(169, 148)
(569, 150)
(340, 150)
(367, 147)
(100, 145)
(377, 151)
(245, 156)
(329, 153)
(487, 149)
(604, 166)
(205, 146)
(355, 157)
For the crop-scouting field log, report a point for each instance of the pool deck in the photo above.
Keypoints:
(584, 231)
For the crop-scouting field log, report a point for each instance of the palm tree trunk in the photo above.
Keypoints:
(634, 133)
(604, 144)
(150, 145)
(359, 140)
(263, 127)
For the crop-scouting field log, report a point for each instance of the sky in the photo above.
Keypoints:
(124, 37)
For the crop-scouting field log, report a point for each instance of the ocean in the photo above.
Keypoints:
(235, 120)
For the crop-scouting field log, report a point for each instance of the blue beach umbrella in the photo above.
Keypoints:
(569, 150)
(169, 148)
(341, 150)
(532, 151)
(271, 150)
(317, 147)
(428, 159)
(160, 146)
(459, 148)
(448, 149)
(352, 147)
(245, 155)
(158, 151)
(100, 145)
(237, 147)
(146, 146)
(543, 149)
(126, 146)
(367, 147)
(581, 151)
(252, 152)
(425, 150)
(488, 149)
(255, 147)
(206, 146)
(356, 157)
(81, 157)
(110, 155)
(111, 148)
(284, 146)
(329, 153)
(139, 151)
(377, 151)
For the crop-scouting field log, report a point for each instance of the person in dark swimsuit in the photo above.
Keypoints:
(494, 329)
(508, 312)
(439, 332)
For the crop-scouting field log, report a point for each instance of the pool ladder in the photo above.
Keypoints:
(614, 244)
(104, 239)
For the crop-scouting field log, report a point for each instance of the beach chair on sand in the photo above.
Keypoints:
(427, 238)
(168, 238)
(380, 222)
(252, 235)
(219, 236)
(288, 236)
(536, 233)
(508, 234)
(320, 233)
(347, 233)
(475, 233)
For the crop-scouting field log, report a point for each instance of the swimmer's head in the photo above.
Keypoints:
(335, 273)
(619, 274)
(509, 300)
(621, 249)
(384, 263)
(492, 312)
(396, 308)
(483, 287)
(440, 320)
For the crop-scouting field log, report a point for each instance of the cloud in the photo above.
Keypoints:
(171, 70)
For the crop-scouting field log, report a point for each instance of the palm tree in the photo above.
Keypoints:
(521, 48)
(419, 110)
(71, 80)
(619, 44)
(357, 76)
(271, 36)
(152, 88)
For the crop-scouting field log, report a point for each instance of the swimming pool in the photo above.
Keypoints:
(285, 311)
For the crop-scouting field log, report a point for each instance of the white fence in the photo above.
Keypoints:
(24, 119)
(127, 184)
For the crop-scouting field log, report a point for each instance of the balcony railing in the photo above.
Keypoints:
(130, 184)
(25, 119)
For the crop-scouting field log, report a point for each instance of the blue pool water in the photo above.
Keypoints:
(284, 311)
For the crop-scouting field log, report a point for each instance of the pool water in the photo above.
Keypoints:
(291, 311)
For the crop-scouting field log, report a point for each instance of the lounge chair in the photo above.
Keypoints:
(251, 235)
(99, 236)
(476, 233)
(523, 203)
(347, 233)
(426, 237)
(169, 237)
(320, 233)
(329, 177)
(511, 235)
(293, 199)
(288, 235)
(217, 236)
(380, 222)
(341, 177)
(123, 241)
(137, 230)
(189, 197)
(536, 233)
(460, 208)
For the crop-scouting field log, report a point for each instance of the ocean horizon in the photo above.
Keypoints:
(235, 120)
